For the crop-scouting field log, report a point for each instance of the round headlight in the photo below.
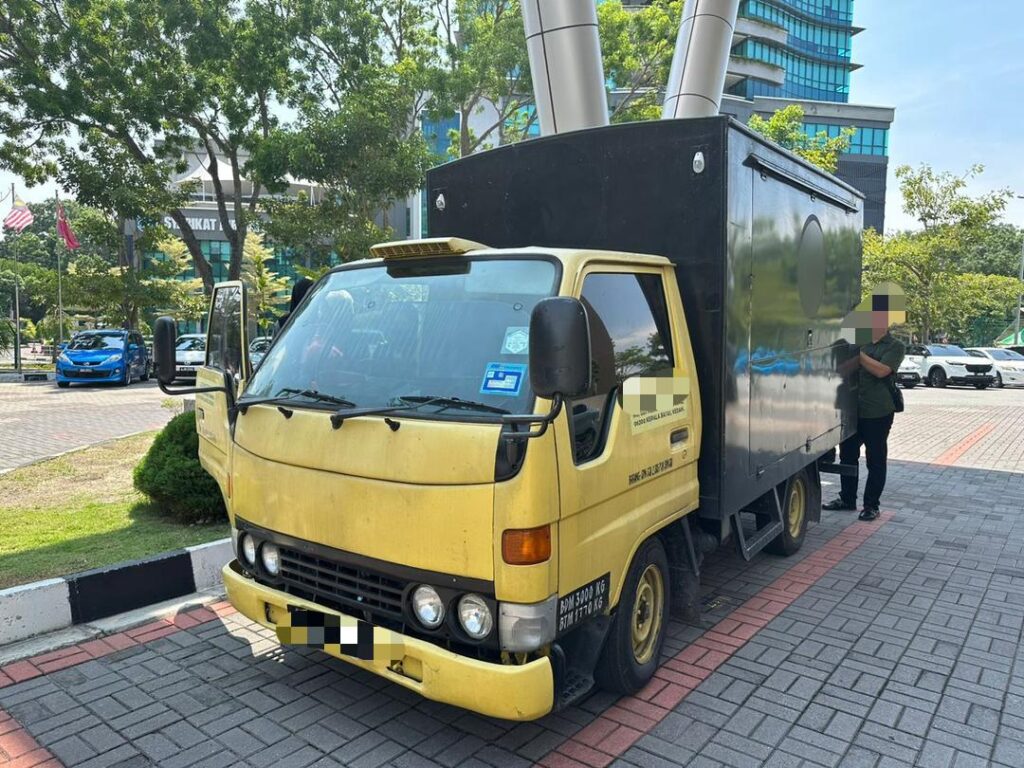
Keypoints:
(427, 606)
(475, 616)
(248, 547)
(271, 557)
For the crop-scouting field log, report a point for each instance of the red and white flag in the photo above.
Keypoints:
(70, 241)
(19, 217)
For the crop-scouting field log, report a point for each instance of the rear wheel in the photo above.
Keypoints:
(937, 377)
(632, 650)
(799, 496)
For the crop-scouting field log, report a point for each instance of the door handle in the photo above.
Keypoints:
(679, 435)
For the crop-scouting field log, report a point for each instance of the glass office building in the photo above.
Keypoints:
(815, 52)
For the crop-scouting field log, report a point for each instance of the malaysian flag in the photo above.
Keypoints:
(19, 217)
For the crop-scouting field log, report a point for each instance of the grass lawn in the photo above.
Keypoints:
(80, 511)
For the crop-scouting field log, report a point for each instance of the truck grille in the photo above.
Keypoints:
(979, 368)
(342, 587)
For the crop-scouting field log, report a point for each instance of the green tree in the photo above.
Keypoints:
(786, 128)
(483, 72)
(187, 300)
(267, 291)
(995, 250)
(637, 46)
(941, 295)
(119, 91)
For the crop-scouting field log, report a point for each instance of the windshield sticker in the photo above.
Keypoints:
(517, 340)
(503, 379)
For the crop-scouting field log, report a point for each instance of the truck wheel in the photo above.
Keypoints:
(799, 497)
(632, 650)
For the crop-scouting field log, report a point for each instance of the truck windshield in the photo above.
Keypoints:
(425, 328)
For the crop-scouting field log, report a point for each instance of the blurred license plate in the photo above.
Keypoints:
(187, 368)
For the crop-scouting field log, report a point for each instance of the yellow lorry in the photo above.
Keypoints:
(489, 474)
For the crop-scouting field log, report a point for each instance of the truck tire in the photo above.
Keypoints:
(798, 498)
(937, 377)
(632, 650)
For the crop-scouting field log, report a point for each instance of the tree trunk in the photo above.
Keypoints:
(188, 236)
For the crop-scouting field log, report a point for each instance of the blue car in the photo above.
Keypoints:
(119, 357)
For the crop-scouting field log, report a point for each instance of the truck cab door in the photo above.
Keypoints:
(624, 472)
(229, 327)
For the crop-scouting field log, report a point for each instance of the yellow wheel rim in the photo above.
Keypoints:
(648, 610)
(797, 507)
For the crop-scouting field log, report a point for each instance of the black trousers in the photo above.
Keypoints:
(873, 434)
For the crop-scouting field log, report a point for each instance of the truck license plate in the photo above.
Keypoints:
(581, 604)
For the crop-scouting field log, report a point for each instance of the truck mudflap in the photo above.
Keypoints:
(511, 692)
(574, 657)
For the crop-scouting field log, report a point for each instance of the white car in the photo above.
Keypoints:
(1009, 365)
(942, 364)
(189, 355)
(909, 374)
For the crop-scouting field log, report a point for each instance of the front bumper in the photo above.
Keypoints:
(72, 373)
(971, 379)
(522, 692)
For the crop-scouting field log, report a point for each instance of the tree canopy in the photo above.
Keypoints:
(945, 297)
(786, 128)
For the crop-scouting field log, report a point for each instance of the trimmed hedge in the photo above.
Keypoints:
(171, 476)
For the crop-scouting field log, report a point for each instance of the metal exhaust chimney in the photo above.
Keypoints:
(697, 77)
(565, 62)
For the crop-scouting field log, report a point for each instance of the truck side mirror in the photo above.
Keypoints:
(164, 336)
(559, 348)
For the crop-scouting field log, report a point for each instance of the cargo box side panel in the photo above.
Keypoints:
(804, 279)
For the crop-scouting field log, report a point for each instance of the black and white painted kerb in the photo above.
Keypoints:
(44, 606)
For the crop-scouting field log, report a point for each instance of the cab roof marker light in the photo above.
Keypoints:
(435, 246)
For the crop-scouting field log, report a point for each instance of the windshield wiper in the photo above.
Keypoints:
(293, 394)
(450, 402)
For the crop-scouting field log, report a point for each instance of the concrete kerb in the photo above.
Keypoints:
(83, 598)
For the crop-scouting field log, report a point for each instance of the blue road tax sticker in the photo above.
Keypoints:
(503, 379)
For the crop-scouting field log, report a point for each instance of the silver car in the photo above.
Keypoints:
(189, 355)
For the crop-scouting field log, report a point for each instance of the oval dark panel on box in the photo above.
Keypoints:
(810, 260)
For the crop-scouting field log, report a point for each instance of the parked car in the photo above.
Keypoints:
(116, 356)
(1008, 365)
(942, 364)
(909, 374)
(189, 355)
(257, 349)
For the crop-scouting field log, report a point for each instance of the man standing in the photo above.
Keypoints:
(878, 360)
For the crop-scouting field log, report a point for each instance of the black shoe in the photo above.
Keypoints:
(868, 514)
(840, 505)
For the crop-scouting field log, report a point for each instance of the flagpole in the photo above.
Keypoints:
(60, 300)
(17, 302)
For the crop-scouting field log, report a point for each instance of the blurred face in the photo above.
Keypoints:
(876, 315)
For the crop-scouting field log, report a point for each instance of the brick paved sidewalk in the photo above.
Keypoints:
(40, 420)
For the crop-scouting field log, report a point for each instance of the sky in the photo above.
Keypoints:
(954, 71)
